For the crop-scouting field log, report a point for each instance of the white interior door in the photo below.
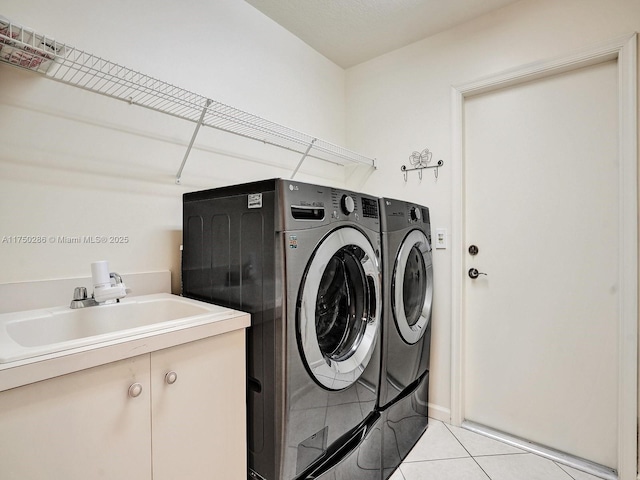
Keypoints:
(542, 206)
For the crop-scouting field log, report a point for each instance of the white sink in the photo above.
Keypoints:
(40, 332)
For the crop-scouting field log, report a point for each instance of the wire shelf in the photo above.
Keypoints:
(27, 49)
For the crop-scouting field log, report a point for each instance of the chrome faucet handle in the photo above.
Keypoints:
(80, 293)
(116, 277)
(80, 299)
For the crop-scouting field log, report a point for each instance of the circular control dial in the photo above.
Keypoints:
(414, 214)
(347, 204)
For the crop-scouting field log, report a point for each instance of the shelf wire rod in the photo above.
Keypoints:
(74, 74)
(79, 68)
(161, 101)
(175, 102)
(236, 123)
(67, 65)
(230, 119)
(170, 106)
(261, 127)
(263, 133)
(306, 152)
(146, 95)
(117, 88)
(193, 138)
(167, 91)
(240, 124)
(103, 84)
(121, 81)
(91, 70)
(281, 145)
(187, 112)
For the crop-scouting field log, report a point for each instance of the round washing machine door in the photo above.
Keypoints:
(412, 286)
(339, 308)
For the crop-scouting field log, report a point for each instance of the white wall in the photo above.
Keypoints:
(401, 102)
(75, 163)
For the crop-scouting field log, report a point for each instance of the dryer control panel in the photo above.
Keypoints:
(399, 215)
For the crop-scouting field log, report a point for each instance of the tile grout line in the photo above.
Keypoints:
(465, 449)
(558, 465)
(431, 460)
(569, 476)
(597, 471)
(399, 469)
(434, 460)
(501, 454)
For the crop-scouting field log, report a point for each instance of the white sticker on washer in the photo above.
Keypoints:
(254, 200)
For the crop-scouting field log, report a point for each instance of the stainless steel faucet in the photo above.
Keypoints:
(80, 299)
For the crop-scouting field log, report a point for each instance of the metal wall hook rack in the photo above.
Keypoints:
(419, 162)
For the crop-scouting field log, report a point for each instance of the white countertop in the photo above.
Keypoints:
(217, 320)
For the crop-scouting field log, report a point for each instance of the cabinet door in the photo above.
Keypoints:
(199, 423)
(78, 426)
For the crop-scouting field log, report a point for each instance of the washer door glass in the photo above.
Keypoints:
(338, 317)
(412, 286)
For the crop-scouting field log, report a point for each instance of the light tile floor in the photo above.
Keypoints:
(446, 452)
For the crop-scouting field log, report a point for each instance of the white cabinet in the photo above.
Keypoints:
(85, 425)
(78, 426)
(199, 422)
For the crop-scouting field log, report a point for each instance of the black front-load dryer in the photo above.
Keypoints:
(407, 303)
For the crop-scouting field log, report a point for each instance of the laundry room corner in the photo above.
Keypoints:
(407, 95)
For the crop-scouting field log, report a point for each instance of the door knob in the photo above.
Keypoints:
(474, 273)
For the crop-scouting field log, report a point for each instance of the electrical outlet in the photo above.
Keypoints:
(441, 238)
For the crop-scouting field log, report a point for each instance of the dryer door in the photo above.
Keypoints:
(339, 308)
(412, 287)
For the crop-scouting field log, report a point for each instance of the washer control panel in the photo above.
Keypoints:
(313, 205)
(414, 214)
(347, 204)
(399, 215)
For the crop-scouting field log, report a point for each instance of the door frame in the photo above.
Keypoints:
(624, 51)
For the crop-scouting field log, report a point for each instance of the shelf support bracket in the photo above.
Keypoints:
(193, 139)
(303, 157)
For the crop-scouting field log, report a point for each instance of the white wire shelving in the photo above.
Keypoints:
(27, 49)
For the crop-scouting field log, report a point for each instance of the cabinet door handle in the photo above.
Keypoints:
(135, 390)
(171, 378)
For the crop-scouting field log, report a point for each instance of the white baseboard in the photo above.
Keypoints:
(438, 412)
